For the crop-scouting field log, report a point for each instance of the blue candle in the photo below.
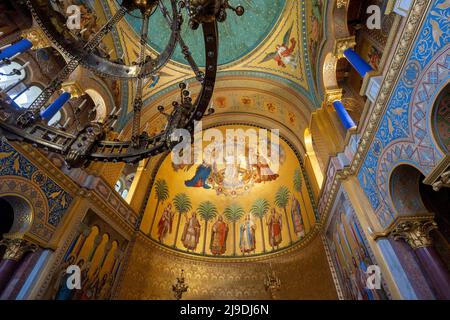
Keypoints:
(360, 65)
(18, 47)
(346, 120)
(53, 108)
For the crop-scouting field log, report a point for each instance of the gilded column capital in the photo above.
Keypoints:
(342, 44)
(341, 4)
(37, 37)
(16, 248)
(74, 88)
(332, 95)
(415, 231)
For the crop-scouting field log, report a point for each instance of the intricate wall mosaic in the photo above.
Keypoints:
(350, 253)
(57, 200)
(404, 135)
(230, 210)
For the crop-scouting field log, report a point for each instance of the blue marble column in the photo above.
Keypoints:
(53, 108)
(360, 65)
(346, 120)
(18, 47)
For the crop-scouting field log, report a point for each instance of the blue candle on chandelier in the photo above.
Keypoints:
(53, 108)
(16, 48)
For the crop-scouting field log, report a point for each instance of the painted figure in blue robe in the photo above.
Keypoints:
(201, 176)
(62, 291)
(247, 241)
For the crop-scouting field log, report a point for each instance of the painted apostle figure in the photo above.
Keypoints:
(297, 219)
(247, 241)
(219, 234)
(165, 223)
(274, 224)
(191, 233)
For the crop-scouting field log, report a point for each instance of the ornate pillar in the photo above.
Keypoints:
(15, 250)
(416, 232)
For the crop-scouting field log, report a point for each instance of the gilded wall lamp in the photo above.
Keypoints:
(180, 287)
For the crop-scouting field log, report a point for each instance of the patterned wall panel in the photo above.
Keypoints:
(20, 176)
(404, 135)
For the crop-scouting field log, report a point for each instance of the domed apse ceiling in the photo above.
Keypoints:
(238, 35)
(241, 209)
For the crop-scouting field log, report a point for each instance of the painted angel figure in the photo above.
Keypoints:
(284, 54)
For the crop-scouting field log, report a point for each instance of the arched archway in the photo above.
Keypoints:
(441, 119)
(6, 217)
(404, 190)
(17, 208)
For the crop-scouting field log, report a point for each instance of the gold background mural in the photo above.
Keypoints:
(179, 189)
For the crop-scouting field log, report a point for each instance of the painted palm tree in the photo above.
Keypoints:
(281, 201)
(207, 211)
(298, 187)
(161, 195)
(233, 213)
(182, 204)
(260, 209)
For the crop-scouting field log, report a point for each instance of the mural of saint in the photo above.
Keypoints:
(297, 219)
(274, 224)
(61, 291)
(191, 233)
(84, 279)
(284, 53)
(219, 234)
(263, 173)
(165, 223)
(247, 241)
(201, 176)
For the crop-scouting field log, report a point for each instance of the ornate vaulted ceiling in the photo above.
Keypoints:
(254, 76)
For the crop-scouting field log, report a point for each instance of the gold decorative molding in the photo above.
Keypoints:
(411, 28)
(332, 95)
(342, 4)
(16, 248)
(37, 37)
(74, 88)
(439, 177)
(342, 44)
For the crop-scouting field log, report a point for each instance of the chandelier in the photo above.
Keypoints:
(90, 143)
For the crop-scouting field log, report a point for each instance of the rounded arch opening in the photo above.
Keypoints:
(6, 217)
(441, 119)
(16, 215)
(404, 188)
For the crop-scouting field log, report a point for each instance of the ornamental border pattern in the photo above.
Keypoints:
(411, 30)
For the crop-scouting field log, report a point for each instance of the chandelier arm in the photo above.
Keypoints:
(113, 151)
(138, 103)
(199, 75)
(32, 113)
(72, 44)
